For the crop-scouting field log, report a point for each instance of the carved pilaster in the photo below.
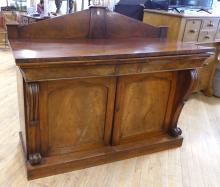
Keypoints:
(32, 93)
(186, 83)
(32, 107)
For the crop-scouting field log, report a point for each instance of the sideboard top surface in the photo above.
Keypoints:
(95, 49)
(93, 34)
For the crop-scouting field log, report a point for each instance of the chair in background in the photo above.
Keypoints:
(133, 11)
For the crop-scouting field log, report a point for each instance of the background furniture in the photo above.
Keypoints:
(99, 92)
(11, 16)
(3, 31)
(191, 27)
(6, 17)
(216, 83)
(135, 8)
(27, 19)
(133, 11)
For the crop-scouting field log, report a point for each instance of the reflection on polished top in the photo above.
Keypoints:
(28, 50)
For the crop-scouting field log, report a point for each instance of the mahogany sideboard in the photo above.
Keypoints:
(94, 90)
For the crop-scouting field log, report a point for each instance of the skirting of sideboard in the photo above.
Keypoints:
(80, 160)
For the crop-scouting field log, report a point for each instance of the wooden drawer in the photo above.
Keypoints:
(139, 66)
(206, 36)
(55, 73)
(31, 20)
(210, 24)
(217, 36)
(192, 30)
(24, 20)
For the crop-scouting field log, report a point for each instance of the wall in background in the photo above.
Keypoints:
(216, 7)
(109, 3)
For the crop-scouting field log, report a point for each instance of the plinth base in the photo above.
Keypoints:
(74, 161)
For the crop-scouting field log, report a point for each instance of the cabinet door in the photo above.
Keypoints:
(76, 115)
(143, 106)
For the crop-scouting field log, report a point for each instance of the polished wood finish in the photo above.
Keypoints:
(89, 101)
(100, 92)
(191, 169)
(130, 91)
(192, 27)
(84, 24)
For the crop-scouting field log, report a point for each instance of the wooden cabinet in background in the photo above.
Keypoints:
(28, 19)
(191, 27)
(98, 91)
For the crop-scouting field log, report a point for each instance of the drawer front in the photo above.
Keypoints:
(146, 66)
(210, 24)
(192, 30)
(55, 73)
(31, 20)
(206, 36)
(137, 67)
(217, 36)
(24, 20)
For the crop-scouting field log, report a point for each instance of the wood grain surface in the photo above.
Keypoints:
(91, 115)
(98, 49)
(196, 163)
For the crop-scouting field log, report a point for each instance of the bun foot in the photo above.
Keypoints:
(35, 159)
(175, 132)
